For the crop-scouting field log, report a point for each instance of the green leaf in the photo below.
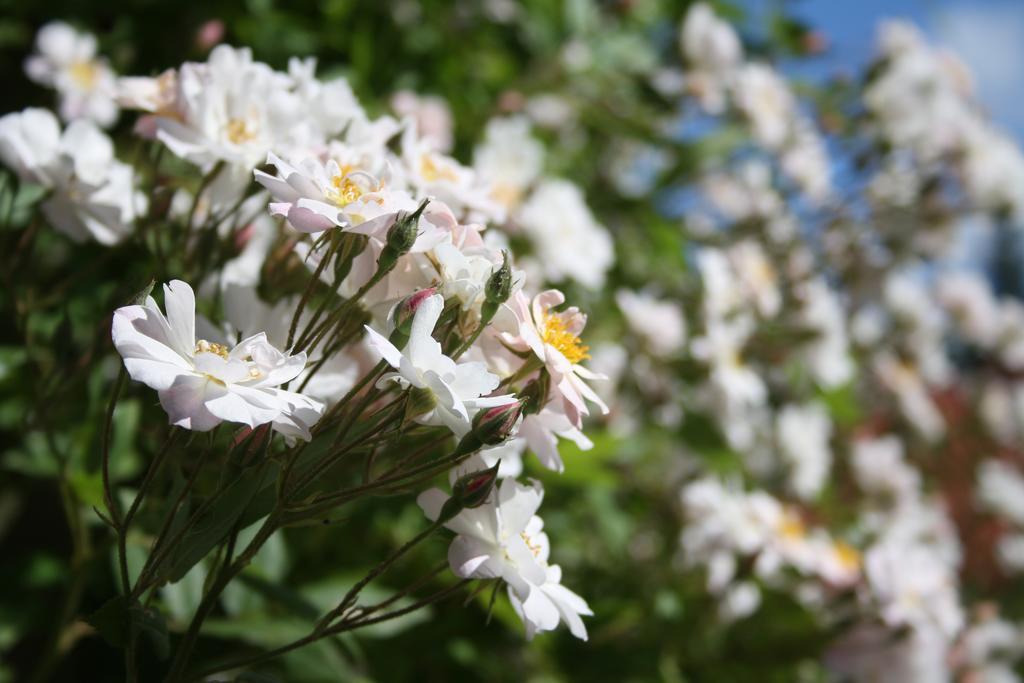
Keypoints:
(151, 625)
(215, 523)
(112, 621)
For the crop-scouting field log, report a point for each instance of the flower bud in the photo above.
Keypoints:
(535, 394)
(403, 314)
(421, 401)
(470, 491)
(401, 236)
(491, 427)
(494, 425)
(405, 230)
(499, 285)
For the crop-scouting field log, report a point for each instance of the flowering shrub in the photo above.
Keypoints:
(785, 447)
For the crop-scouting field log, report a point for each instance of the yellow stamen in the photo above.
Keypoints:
(238, 131)
(555, 333)
(84, 74)
(344, 190)
(506, 195)
(792, 527)
(431, 172)
(203, 346)
(534, 548)
(848, 556)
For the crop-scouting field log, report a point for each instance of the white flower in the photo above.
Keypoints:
(464, 272)
(708, 41)
(828, 355)
(554, 339)
(804, 432)
(740, 601)
(765, 99)
(570, 243)
(234, 110)
(914, 587)
(757, 276)
(743, 193)
(994, 171)
(1010, 552)
(202, 383)
(509, 158)
(712, 51)
(432, 115)
(968, 298)
(806, 161)
(93, 194)
(315, 196)
(903, 378)
(880, 468)
(736, 384)
(66, 61)
(659, 323)
(459, 389)
(433, 174)
(1001, 489)
(504, 539)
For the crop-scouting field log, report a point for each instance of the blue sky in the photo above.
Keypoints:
(987, 34)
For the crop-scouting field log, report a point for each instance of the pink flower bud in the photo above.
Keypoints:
(209, 34)
(406, 309)
(494, 425)
(243, 236)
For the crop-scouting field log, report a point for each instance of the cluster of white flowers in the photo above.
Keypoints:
(717, 73)
(570, 244)
(812, 329)
(728, 528)
(794, 316)
(921, 101)
(445, 309)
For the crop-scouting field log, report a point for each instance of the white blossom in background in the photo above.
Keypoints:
(65, 59)
(903, 378)
(712, 51)
(990, 647)
(757, 276)
(432, 115)
(804, 432)
(202, 383)
(914, 587)
(92, 194)
(743, 193)
(880, 468)
(727, 526)
(828, 355)
(509, 159)
(765, 99)
(969, 300)
(569, 241)
(1001, 490)
(659, 323)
